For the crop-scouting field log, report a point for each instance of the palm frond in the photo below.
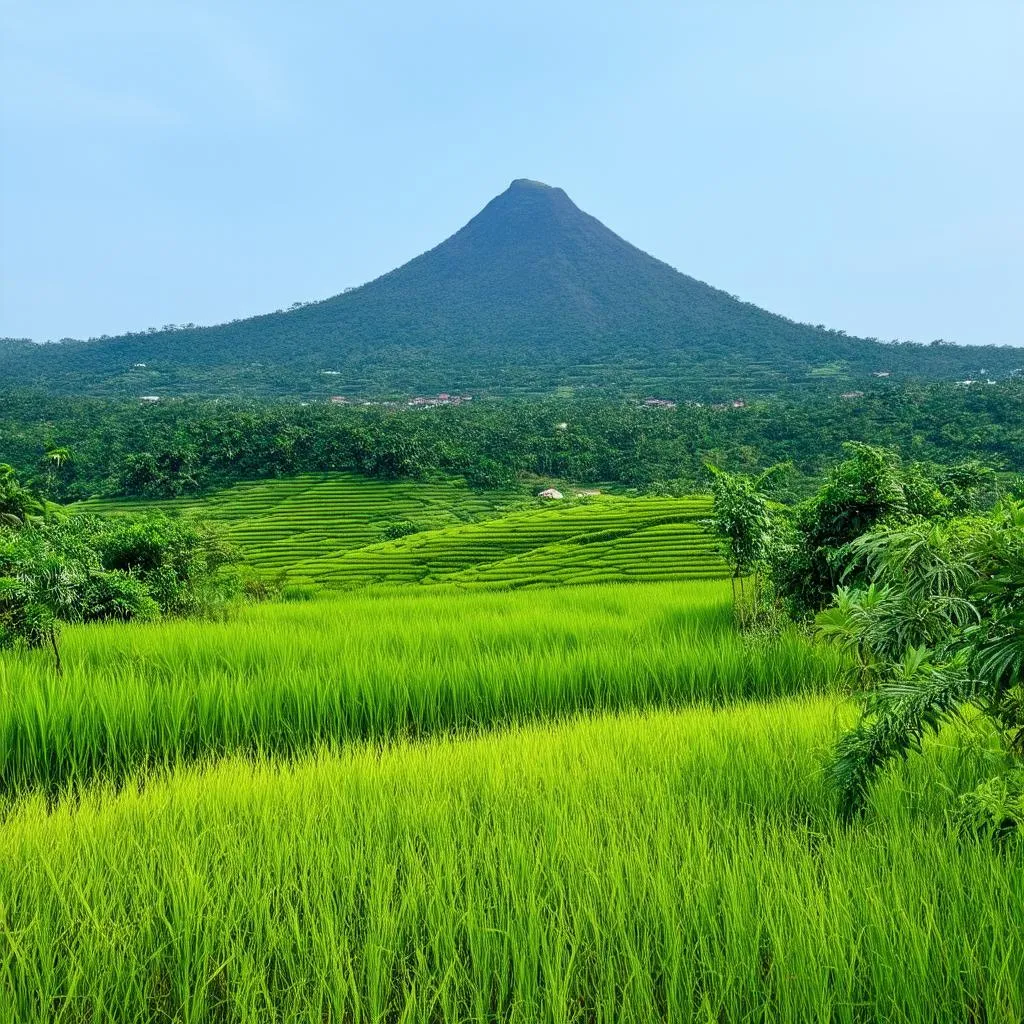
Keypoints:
(919, 699)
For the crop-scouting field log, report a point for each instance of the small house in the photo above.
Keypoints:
(551, 494)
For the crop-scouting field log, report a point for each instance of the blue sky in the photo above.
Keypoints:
(856, 164)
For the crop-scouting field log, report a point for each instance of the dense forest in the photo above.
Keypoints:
(75, 447)
(530, 296)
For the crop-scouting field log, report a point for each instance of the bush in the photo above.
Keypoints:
(185, 564)
(397, 529)
(117, 595)
(63, 568)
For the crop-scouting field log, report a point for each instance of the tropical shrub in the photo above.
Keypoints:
(938, 631)
(397, 529)
(62, 568)
(872, 487)
(745, 519)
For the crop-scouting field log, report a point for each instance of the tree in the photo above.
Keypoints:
(871, 488)
(77, 568)
(53, 461)
(19, 505)
(858, 493)
(743, 517)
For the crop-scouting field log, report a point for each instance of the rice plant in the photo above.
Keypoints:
(291, 524)
(381, 665)
(659, 867)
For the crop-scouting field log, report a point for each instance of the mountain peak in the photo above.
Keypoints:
(529, 183)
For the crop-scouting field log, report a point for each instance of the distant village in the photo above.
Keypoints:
(419, 402)
(446, 399)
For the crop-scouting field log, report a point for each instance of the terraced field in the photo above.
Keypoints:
(607, 539)
(281, 523)
(328, 530)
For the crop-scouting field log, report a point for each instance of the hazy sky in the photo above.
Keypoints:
(851, 162)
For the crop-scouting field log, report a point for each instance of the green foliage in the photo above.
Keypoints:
(743, 518)
(995, 808)
(19, 505)
(184, 564)
(397, 529)
(870, 488)
(188, 447)
(940, 628)
(87, 569)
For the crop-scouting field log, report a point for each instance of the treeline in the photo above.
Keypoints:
(186, 446)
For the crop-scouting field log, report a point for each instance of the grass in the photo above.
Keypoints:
(382, 665)
(329, 530)
(667, 866)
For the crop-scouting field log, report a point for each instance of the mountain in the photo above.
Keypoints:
(530, 296)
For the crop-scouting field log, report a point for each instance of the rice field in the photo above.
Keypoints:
(328, 530)
(378, 665)
(665, 866)
(285, 524)
(498, 797)
(608, 539)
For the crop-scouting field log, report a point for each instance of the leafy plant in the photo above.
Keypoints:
(397, 529)
(940, 629)
(744, 518)
(66, 568)
(19, 505)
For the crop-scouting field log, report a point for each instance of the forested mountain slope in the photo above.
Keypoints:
(531, 295)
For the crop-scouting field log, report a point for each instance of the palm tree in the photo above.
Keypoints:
(53, 461)
(19, 505)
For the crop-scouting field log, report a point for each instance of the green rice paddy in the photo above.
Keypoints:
(471, 802)
(292, 523)
(379, 665)
(680, 866)
(328, 530)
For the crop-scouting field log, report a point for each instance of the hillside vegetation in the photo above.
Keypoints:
(531, 295)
